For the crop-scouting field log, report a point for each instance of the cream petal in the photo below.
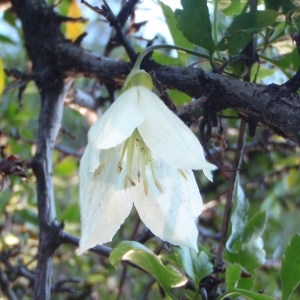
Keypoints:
(118, 122)
(168, 137)
(208, 174)
(172, 214)
(104, 204)
(91, 158)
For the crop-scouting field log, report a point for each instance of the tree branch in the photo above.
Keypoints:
(49, 125)
(273, 106)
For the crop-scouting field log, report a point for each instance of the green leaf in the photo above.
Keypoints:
(140, 255)
(239, 217)
(254, 296)
(295, 19)
(252, 252)
(66, 167)
(6, 39)
(165, 59)
(287, 63)
(70, 213)
(263, 72)
(249, 295)
(232, 275)
(196, 265)
(234, 8)
(255, 227)
(277, 4)
(241, 30)
(290, 270)
(179, 98)
(193, 20)
(178, 38)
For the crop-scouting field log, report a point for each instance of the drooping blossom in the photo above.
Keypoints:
(140, 153)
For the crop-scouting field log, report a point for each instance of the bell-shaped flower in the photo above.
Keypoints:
(140, 153)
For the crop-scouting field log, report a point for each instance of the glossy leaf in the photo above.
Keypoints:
(179, 98)
(290, 270)
(250, 252)
(143, 257)
(6, 39)
(247, 295)
(232, 275)
(234, 8)
(253, 253)
(193, 20)
(241, 30)
(287, 63)
(178, 37)
(196, 265)
(239, 217)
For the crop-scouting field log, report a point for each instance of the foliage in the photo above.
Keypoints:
(261, 259)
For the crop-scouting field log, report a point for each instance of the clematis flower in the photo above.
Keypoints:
(140, 153)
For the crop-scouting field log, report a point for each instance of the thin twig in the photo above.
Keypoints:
(106, 11)
(250, 51)
(67, 238)
(6, 286)
(120, 21)
(122, 282)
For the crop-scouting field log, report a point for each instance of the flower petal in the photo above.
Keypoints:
(168, 137)
(172, 214)
(91, 158)
(118, 122)
(104, 204)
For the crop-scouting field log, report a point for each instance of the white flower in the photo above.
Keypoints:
(140, 153)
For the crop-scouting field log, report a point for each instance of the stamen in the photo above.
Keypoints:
(124, 149)
(142, 166)
(130, 152)
(128, 180)
(145, 184)
(182, 173)
(156, 182)
(159, 187)
(119, 167)
(132, 182)
(107, 156)
(137, 156)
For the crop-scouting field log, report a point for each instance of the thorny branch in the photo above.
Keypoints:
(232, 187)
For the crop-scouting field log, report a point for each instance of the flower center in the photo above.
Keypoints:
(137, 156)
(134, 160)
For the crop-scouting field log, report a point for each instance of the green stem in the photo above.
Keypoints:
(215, 26)
(155, 47)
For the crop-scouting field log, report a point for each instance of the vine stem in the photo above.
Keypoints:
(232, 184)
(250, 49)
